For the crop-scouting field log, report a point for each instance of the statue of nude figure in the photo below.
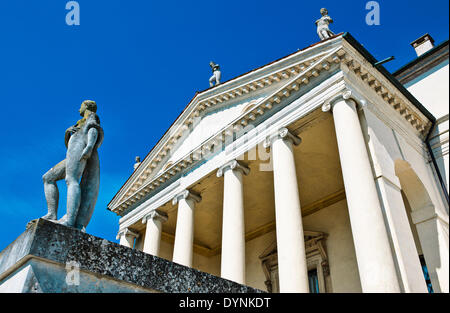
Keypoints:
(82, 141)
(323, 30)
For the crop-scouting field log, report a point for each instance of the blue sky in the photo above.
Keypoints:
(142, 61)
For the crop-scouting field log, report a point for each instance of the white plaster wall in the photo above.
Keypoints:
(392, 146)
(254, 274)
(439, 141)
(424, 170)
(386, 146)
(431, 89)
(335, 222)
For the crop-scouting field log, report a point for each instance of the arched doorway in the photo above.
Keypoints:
(428, 225)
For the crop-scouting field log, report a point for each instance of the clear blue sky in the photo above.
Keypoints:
(142, 61)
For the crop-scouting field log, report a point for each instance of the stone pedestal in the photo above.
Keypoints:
(49, 257)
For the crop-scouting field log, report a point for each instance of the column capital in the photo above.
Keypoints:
(186, 195)
(346, 94)
(233, 165)
(155, 215)
(126, 232)
(282, 133)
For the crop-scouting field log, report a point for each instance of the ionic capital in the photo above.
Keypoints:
(284, 134)
(156, 215)
(233, 165)
(345, 94)
(186, 195)
(126, 232)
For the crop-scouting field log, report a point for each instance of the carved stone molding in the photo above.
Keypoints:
(233, 165)
(156, 215)
(346, 95)
(186, 195)
(284, 134)
(126, 232)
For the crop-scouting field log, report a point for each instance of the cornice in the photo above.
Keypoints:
(378, 83)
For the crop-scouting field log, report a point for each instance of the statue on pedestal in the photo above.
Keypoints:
(322, 25)
(82, 141)
(215, 78)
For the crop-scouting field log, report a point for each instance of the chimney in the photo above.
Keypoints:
(423, 44)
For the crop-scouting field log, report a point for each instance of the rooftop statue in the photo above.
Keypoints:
(215, 78)
(82, 141)
(322, 25)
(137, 161)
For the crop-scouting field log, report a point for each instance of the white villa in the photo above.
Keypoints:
(319, 172)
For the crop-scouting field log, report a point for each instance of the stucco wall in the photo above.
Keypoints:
(400, 162)
(431, 89)
(335, 222)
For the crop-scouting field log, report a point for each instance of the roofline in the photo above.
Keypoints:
(420, 58)
(355, 44)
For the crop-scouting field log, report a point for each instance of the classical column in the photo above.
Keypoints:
(373, 252)
(154, 222)
(292, 267)
(127, 237)
(233, 224)
(184, 233)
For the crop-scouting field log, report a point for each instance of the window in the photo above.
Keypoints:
(313, 281)
(426, 274)
(316, 259)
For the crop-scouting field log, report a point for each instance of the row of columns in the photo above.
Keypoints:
(373, 252)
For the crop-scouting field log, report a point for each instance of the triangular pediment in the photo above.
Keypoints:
(239, 101)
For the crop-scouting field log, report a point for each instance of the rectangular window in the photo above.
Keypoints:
(313, 281)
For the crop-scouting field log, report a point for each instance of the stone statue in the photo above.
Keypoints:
(137, 162)
(82, 141)
(322, 25)
(216, 74)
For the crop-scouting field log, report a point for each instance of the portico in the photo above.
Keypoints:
(277, 161)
